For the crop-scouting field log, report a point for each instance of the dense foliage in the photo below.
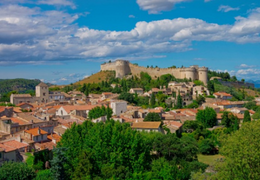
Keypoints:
(114, 151)
(207, 117)
(100, 111)
(15, 170)
(152, 117)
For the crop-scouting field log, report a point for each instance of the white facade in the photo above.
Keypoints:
(119, 107)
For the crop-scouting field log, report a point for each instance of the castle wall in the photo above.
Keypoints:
(154, 72)
(123, 68)
(108, 66)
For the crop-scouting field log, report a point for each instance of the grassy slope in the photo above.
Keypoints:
(98, 77)
(209, 159)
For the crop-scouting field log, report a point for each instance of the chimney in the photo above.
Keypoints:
(39, 131)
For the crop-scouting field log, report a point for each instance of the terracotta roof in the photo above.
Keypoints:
(24, 104)
(54, 136)
(17, 109)
(107, 93)
(7, 148)
(15, 144)
(2, 108)
(146, 125)
(251, 112)
(34, 131)
(42, 84)
(155, 111)
(222, 94)
(175, 124)
(19, 121)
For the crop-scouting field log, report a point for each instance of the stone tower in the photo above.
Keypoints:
(42, 92)
(122, 68)
(203, 74)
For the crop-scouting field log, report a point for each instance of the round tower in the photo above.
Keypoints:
(122, 68)
(203, 75)
(188, 73)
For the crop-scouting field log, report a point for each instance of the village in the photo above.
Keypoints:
(37, 123)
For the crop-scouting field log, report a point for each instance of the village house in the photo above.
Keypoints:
(36, 134)
(139, 91)
(106, 95)
(147, 126)
(222, 95)
(200, 90)
(118, 107)
(174, 126)
(25, 106)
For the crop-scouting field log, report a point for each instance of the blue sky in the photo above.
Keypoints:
(62, 41)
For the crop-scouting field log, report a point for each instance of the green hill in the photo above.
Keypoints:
(19, 85)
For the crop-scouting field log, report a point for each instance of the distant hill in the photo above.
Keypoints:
(98, 77)
(19, 85)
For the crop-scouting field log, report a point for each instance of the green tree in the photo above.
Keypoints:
(44, 175)
(15, 170)
(179, 102)
(226, 121)
(152, 117)
(211, 87)
(206, 146)
(208, 117)
(58, 164)
(241, 152)
(152, 101)
(200, 99)
(247, 117)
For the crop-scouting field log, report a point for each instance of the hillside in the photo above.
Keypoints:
(19, 85)
(98, 77)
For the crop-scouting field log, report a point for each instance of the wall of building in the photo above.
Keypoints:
(118, 107)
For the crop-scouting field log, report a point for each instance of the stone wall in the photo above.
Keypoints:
(236, 84)
(108, 66)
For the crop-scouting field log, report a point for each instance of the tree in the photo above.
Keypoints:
(58, 164)
(210, 86)
(241, 152)
(256, 116)
(152, 101)
(247, 117)
(14, 170)
(206, 146)
(226, 121)
(109, 112)
(179, 102)
(208, 117)
(200, 99)
(152, 117)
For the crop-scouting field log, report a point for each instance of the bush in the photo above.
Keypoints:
(17, 171)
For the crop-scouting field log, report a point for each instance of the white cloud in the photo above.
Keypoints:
(245, 66)
(131, 16)
(31, 35)
(156, 6)
(58, 3)
(224, 8)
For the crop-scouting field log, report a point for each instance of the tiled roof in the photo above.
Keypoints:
(54, 136)
(15, 144)
(70, 108)
(138, 89)
(19, 121)
(35, 132)
(146, 125)
(7, 148)
(24, 104)
(45, 145)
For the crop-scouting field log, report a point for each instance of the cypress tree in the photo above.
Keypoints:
(247, 117)
(152, 102)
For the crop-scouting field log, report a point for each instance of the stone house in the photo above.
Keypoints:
(118, 107)
(222, 95)
(36, 134)
(136, 91)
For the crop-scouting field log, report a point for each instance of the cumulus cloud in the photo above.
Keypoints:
(33, 35)
(156, 6)
(224, 8)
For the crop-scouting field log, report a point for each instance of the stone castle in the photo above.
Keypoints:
(123, 68)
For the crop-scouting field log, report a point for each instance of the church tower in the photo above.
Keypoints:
(42, 92)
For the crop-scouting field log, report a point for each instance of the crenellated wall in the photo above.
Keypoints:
(123, 68)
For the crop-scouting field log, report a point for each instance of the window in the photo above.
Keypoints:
(43, 94)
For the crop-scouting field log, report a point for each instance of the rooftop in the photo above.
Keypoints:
(35, 131)
(146, 125)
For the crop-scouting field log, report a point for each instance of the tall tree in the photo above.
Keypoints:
(247, 117)
(152, 101)
(179, 102)
(208, 117)
(58, 162)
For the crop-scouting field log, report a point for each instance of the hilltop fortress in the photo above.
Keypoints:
(123, 68)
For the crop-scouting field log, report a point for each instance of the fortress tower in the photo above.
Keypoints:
(42, 92)
(203, 74)
(122, 68)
